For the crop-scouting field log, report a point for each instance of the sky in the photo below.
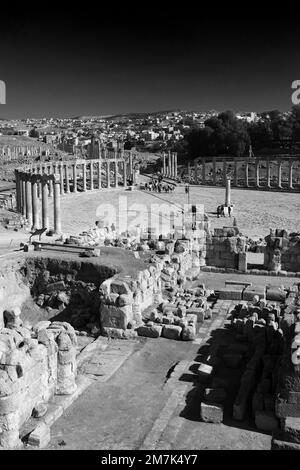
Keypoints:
(66, 63)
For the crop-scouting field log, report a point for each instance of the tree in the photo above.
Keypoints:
(34, 133)
(221, 135)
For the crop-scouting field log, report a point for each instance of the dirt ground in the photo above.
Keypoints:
(256, 211)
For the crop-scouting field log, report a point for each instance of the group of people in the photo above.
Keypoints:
(159, 186)
(221, 210)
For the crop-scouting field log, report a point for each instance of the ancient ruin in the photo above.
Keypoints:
(208, 171)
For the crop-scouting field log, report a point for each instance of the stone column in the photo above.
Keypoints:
(67, 178)
(164, 164)
(227, 192)
(169, 165)
(61, 175)
(125, 174)
(116, 173)
(18, 194)
(196, 171)
(28, 200)
(39, 171)
(247, 174)
(74, 178)
(92, 175)
(84, 176)
(108, 173)
(203, 171)
(268, 173)
(291, 174)
(45, 215)
(99, 173)
(173, 164)
(23, 194)
(257, 173)
(35, 206)
(50, 183)
(224, 172)
(214, 176)
(57, 220)
(279, 174)
(130, 164)
(236, 183)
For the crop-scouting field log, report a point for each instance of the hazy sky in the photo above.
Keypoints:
(57, 64)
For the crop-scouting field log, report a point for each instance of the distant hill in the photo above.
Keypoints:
(131, 115)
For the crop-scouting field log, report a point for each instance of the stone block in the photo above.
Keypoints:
(205, 371)
(266, 421)
(199, 312)
(55, 286)
(278, 444)
(150, 331)
(40, 437)
(284, 409)
(291, 428)
(231, 293)
(119, 287)
(188, 333)
(250, 292)
(171, 332)
(211, 412)
(125, 299)
(115, 317)
(275, 293)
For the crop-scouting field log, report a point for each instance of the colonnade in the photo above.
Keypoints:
(169, 165)
(239, 171)
(13, 152)
(45, 180)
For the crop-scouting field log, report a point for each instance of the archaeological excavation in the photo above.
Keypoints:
(69, 305)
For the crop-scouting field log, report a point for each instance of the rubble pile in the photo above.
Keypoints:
(177, 317)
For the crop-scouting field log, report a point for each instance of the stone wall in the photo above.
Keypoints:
(13, 291)
(223, 247)
(35, 364)
(124, 298)
(282, 252)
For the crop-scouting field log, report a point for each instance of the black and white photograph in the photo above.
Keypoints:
(149, 230)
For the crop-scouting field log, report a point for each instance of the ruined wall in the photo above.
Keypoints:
(35, 364)
(124, 298)
(13, 291)
(282, 252)
(223, 247)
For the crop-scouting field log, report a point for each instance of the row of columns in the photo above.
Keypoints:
(14, 152)
(169, 164)
(69, 172)
(246, 172)
(51, 180)
(28, 200)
